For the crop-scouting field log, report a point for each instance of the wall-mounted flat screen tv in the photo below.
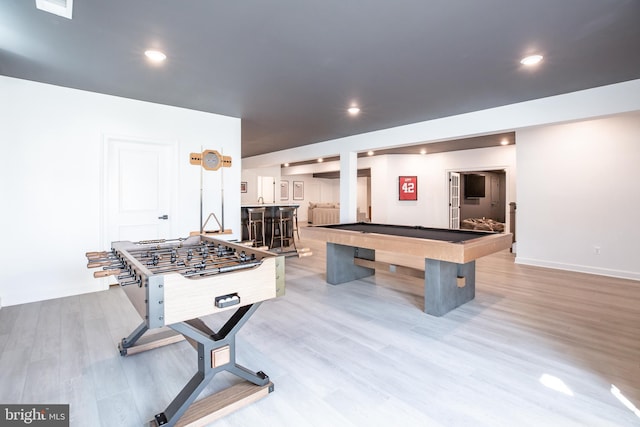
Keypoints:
(473, 186)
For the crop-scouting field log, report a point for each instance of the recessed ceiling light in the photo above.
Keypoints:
(504, 142)
(155, 55)
(62, 8)
(353, 110)
(531, 60)
(423, 151)
(286, 165)
(320, 160)
(369, 153)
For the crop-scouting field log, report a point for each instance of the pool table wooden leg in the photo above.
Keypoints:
(340, 266)
(447, 285)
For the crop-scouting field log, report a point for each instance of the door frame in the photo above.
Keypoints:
(508, 177)
(107, 139)
(457, 176)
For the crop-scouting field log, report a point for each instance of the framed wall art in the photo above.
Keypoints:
(408, 188)
(284, 190)
(298, 190)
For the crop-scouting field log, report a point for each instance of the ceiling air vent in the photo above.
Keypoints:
(62, 8)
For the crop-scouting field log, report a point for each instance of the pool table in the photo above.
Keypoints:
(446, 256)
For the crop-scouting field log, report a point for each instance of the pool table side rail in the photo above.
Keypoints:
(414, 247)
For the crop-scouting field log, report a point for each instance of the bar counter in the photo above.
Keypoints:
(270, 213)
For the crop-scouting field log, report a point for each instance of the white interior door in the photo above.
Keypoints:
(266, 189)
(454, 200)
(139, 179)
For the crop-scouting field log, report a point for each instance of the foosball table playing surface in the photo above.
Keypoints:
(173, 284)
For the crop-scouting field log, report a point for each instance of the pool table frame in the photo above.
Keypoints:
(449, 279)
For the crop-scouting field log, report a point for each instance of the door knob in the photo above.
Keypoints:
(165, 216)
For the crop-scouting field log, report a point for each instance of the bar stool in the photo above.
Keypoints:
(255, 219)
(283, 224)
(295, 222)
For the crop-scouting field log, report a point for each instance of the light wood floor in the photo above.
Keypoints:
(357, 354)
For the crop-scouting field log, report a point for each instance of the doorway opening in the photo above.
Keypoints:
(481, 199)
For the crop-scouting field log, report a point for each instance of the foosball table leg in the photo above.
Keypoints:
(132, 338)
(216, 353)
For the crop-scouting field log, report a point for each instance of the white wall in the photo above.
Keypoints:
(606, 101)
(320, 190)
(315, 190)
(364, 195)
(578, 189)
(432, 170)
(51, 174)
(252, 177)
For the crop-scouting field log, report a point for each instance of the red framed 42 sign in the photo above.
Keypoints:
(408, 188)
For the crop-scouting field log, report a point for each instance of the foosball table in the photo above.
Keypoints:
(173, 284)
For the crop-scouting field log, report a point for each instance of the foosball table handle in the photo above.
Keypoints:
(105, 273)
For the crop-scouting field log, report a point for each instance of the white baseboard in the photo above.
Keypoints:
(621, 274)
